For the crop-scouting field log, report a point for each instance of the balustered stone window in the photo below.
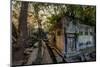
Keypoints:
(80, 33)
(86, 33)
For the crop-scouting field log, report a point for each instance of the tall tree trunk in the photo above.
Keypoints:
(22, 41)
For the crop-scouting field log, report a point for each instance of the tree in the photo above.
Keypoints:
(84, 13)
(22, 41)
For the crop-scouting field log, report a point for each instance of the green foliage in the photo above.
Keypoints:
(53, 13)
(84, 13)
(53, 19)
